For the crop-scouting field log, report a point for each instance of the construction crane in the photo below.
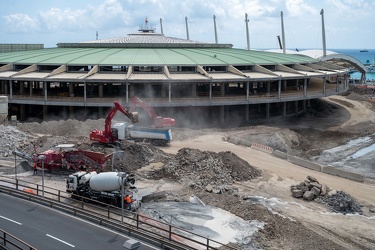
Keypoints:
(108, 135)
(159, 122)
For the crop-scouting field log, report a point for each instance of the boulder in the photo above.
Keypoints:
(209, 188)
(297, 193)
(323, 190)
(316, 191)
(315, 184)
(312, 179)
(308, 195)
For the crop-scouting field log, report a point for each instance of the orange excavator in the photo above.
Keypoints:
(159, 122)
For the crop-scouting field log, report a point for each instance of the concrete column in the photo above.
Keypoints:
(127, 92)
(22, 112)
(324, 85)
(296, 106)
(22, 87)
(268, 87)
(247, 90)
(101, 90)
(297, 83)
(10, 89)
(308, 103)
(148, 90)
(194, 90)
(284, 109)
(304, 105)
(84, 92)
(222, 114)
(45, 90)
(71, 90)
(45, 113)
(210, 90)
(131, 90)
(279, 89)
(284, 85)
(305, 87)
(164, 90)
(169, 92)
(222, 89)
(31, 86)
(268, 110)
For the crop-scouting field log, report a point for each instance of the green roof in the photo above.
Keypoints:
(150, 56)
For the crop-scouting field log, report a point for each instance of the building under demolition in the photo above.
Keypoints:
(192, 81)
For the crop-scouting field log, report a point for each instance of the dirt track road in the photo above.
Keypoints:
(279, 175)
(287, 172)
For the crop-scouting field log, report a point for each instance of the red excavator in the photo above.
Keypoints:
(159, 122)
(108, 136)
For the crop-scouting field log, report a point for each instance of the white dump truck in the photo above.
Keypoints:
(156, 136)
(104, 187)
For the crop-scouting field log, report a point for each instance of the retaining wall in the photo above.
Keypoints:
(342, 173)
(304, 163)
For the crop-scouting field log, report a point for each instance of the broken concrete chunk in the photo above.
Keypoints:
(312, 179)
(316, 191)
(209, 188)
(308, 195)
(315, 184)
(297, 193)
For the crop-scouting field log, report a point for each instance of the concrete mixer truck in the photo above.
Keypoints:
(104, 187)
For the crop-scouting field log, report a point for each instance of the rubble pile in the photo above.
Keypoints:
(340, 202)
(337, 201)
(12, 139)
(137, 155)
(309, 189)
(207, 170)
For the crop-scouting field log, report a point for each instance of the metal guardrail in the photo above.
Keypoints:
(140, 226)
(7, 239)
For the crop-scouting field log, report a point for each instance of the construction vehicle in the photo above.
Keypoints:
(105, 187)
(66, 157)
(124, 131)
(155, 136)
(158, 121)
(108, 136)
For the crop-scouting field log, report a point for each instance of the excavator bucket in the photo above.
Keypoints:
(134, 117)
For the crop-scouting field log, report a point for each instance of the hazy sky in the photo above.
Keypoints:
(348, 23)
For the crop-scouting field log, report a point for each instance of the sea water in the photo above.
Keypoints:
(363, 57)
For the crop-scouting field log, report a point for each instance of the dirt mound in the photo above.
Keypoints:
(137, 155)
(205, 167)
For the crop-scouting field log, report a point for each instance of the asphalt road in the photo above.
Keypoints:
(45, 228)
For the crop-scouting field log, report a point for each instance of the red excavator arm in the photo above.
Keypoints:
(107, 135)
(158, 120)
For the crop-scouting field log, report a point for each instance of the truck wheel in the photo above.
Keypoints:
(86, 197)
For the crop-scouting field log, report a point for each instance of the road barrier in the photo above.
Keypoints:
(295, 160)
(342, 173)
(261, 147)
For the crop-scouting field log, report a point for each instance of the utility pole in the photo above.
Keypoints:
(247, 32)
(215, 29)
(323, 34)
(161, 26)
(187, 28)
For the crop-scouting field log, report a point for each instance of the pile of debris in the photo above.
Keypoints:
(309, 189)
(337, 201)
(340, 202)
(207, 170)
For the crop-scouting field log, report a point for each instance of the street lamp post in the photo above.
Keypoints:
(42, 158)
(122, 175)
